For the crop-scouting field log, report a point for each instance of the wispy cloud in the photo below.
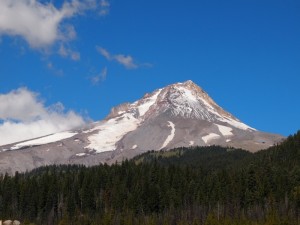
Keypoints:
(40, 23)
(69, 53)
(104, 53)
(104, 73)
(105, 7)
(52, 68)
(126, 60)
(100, 77)
(25, 116)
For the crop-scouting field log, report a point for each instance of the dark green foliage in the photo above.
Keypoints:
(212, 157)
(208, 185)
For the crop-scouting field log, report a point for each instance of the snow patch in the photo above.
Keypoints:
(228, 140)
(171, 136)
(144, 107)
(225, 131)
(44, 140)
(209, 137)
(189, 105)
(111, 132)
(187, 94)
(80, 154)
(236, 123)
(134, 147)
(192, 143)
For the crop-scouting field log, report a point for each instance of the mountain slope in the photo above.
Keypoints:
(179, 115)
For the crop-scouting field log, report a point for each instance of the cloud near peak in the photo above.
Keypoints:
(24, 116)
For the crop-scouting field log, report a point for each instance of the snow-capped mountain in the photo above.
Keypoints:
(178, 115)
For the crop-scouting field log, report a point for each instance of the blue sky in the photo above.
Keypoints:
(93, 55)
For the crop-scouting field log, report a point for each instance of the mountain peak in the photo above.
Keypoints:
(188, 100)
(178, 115)
(191, 86)
(189, 82)
(180, 100)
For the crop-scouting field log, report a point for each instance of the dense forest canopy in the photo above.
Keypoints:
(200, 185)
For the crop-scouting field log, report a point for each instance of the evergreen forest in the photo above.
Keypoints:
(187, 186)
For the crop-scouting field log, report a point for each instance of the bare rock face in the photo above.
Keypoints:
(179, 115)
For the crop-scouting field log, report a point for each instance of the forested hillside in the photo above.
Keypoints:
(203, 185)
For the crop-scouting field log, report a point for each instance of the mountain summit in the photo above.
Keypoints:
(178, 115)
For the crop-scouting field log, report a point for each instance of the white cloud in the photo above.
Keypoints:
(40, 24)
(20, 104)
(126, 60)
(25, 116)
(37, 23)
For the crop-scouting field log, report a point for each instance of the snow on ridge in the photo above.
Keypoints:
(194, 98)
(210, 137)
(236, 124)
(45, 140)
(121, 112)
(171, 136)
(143, 108)
(189, 105)
(187, 94)
(111, 132)
(206, 111)
(186, 104)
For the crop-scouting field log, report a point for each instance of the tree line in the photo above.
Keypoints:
(200, 185)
